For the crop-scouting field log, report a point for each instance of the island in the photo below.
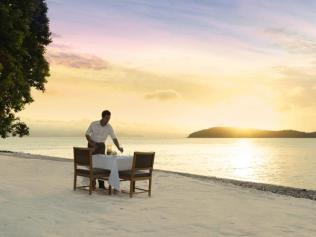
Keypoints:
(231, 132)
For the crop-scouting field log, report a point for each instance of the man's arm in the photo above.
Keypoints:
(90, 141)
(88, 136)
(115, 141)
(117, 144)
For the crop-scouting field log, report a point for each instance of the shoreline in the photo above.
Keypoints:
(266, 187)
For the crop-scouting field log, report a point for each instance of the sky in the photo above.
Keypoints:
(169, 68)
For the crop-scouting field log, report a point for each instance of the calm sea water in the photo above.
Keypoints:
(290, 162)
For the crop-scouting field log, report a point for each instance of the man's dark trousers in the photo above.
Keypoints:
(100, 149)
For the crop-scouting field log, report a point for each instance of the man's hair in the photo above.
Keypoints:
(105, 113)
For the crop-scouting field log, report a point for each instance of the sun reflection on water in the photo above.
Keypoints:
(244, 152)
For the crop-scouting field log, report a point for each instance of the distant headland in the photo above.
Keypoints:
(231, 132)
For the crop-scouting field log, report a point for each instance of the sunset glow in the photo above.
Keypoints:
(169, 68)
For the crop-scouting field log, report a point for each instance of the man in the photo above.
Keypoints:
(96, 135)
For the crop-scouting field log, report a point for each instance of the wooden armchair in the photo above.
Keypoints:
(143, 163)
(83, 167)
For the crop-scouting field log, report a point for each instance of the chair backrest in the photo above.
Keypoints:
(83, 156)
(143, 160)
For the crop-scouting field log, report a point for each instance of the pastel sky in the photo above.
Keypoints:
(168, 68)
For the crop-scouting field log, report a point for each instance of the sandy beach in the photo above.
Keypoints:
(36, 199)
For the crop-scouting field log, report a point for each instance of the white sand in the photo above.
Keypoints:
(36, 199)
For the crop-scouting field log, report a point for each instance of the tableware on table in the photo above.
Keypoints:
(109, 149)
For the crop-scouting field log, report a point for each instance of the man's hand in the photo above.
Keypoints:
(121, 149)
(117, 144)
(92, 143)
(93, 147)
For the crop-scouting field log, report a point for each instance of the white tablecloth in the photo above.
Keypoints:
(113, 163)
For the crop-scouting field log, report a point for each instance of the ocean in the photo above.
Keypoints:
(282, 161)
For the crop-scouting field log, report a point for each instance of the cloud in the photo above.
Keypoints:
(133, 81)
(292, 42)
(163, 95)
(73, 60)
(55, 35)
(295, 88)
(59, 46)
(296, 72)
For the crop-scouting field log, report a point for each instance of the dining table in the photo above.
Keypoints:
(114, 163)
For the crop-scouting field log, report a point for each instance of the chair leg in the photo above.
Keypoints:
(90, 186)
(134, 186)
(110, 189)
(94, 184)
(149, 188)
(131, 189)
(75, 181)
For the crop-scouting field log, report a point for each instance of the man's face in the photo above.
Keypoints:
(106, 119)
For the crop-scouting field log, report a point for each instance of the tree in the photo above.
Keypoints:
(24, 34)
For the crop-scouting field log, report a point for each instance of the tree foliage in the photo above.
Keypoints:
(24, 34)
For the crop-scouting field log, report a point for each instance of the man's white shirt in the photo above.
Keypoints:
(99, 133)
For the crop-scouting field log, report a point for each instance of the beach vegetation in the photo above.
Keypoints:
(24, 35)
